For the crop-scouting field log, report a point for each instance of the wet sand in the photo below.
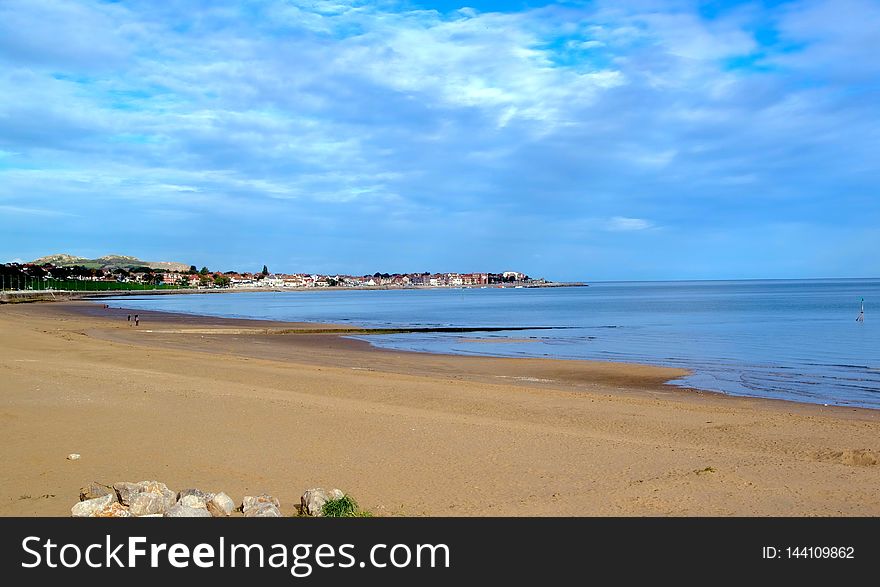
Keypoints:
(244, 407)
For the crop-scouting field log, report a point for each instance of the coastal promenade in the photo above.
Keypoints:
(24, 296)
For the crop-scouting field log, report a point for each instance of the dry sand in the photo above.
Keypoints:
(228, 405)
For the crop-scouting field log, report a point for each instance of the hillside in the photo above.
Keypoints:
(109, 262)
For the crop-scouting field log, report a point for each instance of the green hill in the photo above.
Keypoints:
(109, 262)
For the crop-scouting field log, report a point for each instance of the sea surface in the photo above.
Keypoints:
(792, 340)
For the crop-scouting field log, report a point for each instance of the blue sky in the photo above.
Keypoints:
(575, 140)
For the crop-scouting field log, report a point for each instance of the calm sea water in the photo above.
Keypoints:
(794, 340)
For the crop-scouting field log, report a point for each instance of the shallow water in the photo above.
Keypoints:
(795, 340)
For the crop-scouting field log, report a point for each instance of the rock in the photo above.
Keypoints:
(95, 489)
(167, 494)
(147, 503)
(90, 507)
(126, 491)
(206, 497)
(114, 510)
(221, 505)
(251, 501)
(263, 510)
(313, 500)
(182, 511)
(73, 456)
(193, 501)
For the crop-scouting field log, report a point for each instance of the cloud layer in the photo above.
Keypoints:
(577, 141)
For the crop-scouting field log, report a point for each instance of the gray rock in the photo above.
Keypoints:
(90, 507)
(126, 491)
(147, 503)
(313, 500)
(182, 511)
(263, 510)
(193, 501)
(203, 495)
(251, 501)
(221, 505)
(156, 487)
(95, 489)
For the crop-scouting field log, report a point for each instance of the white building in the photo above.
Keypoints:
(272, 281)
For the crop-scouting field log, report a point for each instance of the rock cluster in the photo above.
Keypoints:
(154, 499)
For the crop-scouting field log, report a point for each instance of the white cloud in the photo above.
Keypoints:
(625, 224)
(6, 209)
(178, 188)
(493, 61)
(584, 44)
(833, 37)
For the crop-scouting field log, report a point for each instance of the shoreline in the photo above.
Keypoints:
(339, 336)
(405, 433)
(247, 326)
(236, 333)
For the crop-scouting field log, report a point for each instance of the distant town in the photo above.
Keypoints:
(65, 272)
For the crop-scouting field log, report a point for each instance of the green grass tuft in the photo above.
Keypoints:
(344, 507)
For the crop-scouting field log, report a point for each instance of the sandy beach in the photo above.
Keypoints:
(239, 406)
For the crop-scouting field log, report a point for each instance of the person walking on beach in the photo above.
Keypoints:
(129, 319)
(136, 320)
